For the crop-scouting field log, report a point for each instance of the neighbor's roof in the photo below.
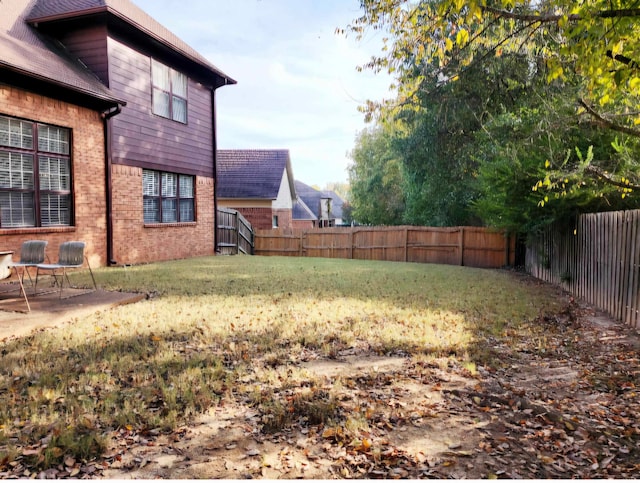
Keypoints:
(336, 203)
(312, 197)
(25, 52)
(252, 173)
(45, 11)
(301, 211)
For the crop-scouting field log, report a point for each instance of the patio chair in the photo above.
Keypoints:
(70, 256)
(6, 273)
(32, 252)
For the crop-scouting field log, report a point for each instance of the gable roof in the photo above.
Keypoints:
(336, 204)
(124, 11)
(311, 197)
(252, 173)
(301, 211)
(28, 54)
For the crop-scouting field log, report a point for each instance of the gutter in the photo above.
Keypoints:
(214, 141)
(106, 116)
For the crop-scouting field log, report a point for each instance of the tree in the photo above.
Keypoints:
(591, 44)
(340, 188)
(440, 153)
(376, 178)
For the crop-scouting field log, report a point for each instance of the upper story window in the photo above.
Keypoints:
(169, 92)
(168, 197)
(35, 174)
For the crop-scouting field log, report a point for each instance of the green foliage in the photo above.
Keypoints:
(376, 178)
(466, 70)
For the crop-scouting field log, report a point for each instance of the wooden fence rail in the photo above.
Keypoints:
(235, 234)
(470, 246)
(597, 259)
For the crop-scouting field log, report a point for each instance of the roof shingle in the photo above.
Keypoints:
(311, 197)
(26, 52)
(251, 173)
(51, 10)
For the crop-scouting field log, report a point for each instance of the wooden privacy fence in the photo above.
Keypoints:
(470, 246)
(234, 233)
(597, 259)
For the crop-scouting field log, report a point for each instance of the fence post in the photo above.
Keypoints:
(461, 246)
(301, 243)
(507, 246)
(406, 244)
(351, 244)
(237, 229)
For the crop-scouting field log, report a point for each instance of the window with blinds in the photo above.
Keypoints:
(169, 92)
(35, 174)
(167, 197)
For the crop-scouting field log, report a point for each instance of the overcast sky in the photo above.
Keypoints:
(298, 87)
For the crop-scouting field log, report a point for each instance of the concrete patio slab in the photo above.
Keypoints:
(49, 310)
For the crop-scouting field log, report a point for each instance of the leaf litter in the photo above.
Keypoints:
(560, 400)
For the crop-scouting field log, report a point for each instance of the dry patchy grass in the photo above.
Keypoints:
(237, 327)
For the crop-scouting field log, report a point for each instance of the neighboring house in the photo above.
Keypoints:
(336, 207)
(303, 217)
(326, 206)
(107, 125)
(259, 184)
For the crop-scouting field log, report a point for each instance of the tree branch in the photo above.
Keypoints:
(535, 17)
(623, 59)
(547, 18)
(608, 178)
(601, 121)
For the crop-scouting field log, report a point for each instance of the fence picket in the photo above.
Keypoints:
(480, 246)
(598, 260)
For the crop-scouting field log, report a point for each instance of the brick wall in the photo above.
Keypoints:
(302, 224)
(285, 218)
(134, 242)
(88, 173)
(260, 218)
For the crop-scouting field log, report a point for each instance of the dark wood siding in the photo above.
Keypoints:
(90, 46)
(143, 139)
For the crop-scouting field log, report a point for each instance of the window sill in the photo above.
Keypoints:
(37, 230)
(170, 225)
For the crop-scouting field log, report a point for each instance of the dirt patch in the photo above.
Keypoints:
(406, 414)
(562, 403)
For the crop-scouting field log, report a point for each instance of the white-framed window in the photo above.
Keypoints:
(275, 221)
(35, 174)
(168, 197)
(169, 92)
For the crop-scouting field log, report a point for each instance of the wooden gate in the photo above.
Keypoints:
(234, 233)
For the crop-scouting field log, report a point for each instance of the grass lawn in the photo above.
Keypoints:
(235, 328)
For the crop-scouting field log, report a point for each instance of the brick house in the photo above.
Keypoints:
(259, 184)
(107, 132)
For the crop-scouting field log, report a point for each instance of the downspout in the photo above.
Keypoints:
(214, 142)
(106, 116)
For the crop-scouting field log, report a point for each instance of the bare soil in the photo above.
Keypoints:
(561, 402)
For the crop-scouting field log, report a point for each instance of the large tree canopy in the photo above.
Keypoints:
(592, 47)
